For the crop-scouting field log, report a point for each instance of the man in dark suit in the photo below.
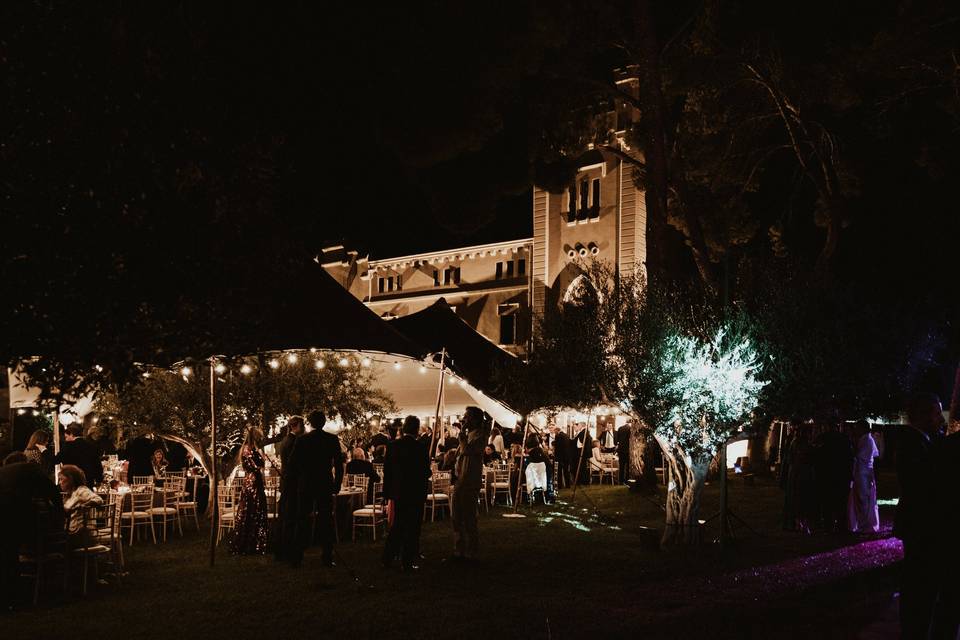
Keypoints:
(561, 455)
(81, 452)
(26, 496)
(917, 519)
(623, 451)
(315, 474)
(288, 491)
(406, 470)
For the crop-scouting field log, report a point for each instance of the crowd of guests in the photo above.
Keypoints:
(828, 474)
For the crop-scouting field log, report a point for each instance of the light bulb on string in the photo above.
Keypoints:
(186, 371)
(145, 374)
(292, 358)
(246, 369)
(343, 362)
(422, 369)
(366, 362)
(274, 363)
(397, 366)
(320, 364)
(220, 368)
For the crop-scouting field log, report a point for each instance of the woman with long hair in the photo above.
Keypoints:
(250, 522)
(37, 451)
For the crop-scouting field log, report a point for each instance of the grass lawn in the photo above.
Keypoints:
(561, 572)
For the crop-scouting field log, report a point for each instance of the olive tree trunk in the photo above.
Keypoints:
(642, 467)
(684, 490)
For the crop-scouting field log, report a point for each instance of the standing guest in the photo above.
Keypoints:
(250, 520)
(82, 453)
(380, 439)
(359, 465)
(623, 451)
(405, 474)
(139, 455)
(607, 444)
(393, 429)
(28, 499)
(426, 437)
(561, 454)
(315, 474)
(947, 464)
(863, 515)
(469, 474)
(833, 466)
(38, 451)
(918, 520)
(379, 454)
(799, 505)
(490, 455)
(77, 496)
(287, 506)
(496, 440)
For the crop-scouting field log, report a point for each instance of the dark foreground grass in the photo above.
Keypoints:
(571, 570)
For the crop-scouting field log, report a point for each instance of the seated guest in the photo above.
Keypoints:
(28, 499)
(379, 454)
(159, 462)
(596, 457)
(77, 497)
(490, 455)
(361, 466)
(37, 451)
(449, 461)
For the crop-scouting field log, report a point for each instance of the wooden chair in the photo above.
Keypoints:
(186, 504)
(609, 467)
(48, 552)
(95, 517)
(141, 501)
(226, 505)
(439, 496)
(501, 483)
(378, 468)
(168, 512)
(483, 492)
(372, 515)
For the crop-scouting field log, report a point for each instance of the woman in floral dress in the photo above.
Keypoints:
(250, 521)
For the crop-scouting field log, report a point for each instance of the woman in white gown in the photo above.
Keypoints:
(862, 505)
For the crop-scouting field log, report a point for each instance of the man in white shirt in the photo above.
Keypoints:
(862, 506)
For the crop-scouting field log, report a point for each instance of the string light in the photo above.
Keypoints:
(186, 371)
(146, 374)
(397, 366)
(292, 358)
(20, 412)
(246, 369)
(313, 349)
(320, 364)
(274, 363)
(98, 368)
(422, 369)
(343, 362)
(219, 368)
(366, 362)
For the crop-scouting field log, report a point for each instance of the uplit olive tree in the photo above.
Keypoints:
(688, 373)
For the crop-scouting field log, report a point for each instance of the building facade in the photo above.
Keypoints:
(499, 288)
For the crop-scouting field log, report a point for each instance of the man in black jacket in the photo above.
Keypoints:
(81, 452)
(561, 455)
(314, 475)
(917, 519)
(623, 452)
(406, 470)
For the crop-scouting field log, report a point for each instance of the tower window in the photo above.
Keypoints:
(572, 203)
(510, 269)
(508, 329)
(436, 278)
(595, 204)
(521, 267)
(499, 270)
(584, 199)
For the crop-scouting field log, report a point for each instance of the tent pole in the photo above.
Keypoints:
(214, 522)
(523, 451)
(433, 434)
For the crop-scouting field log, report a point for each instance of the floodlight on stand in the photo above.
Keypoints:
(274, 363)
(246, 369)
